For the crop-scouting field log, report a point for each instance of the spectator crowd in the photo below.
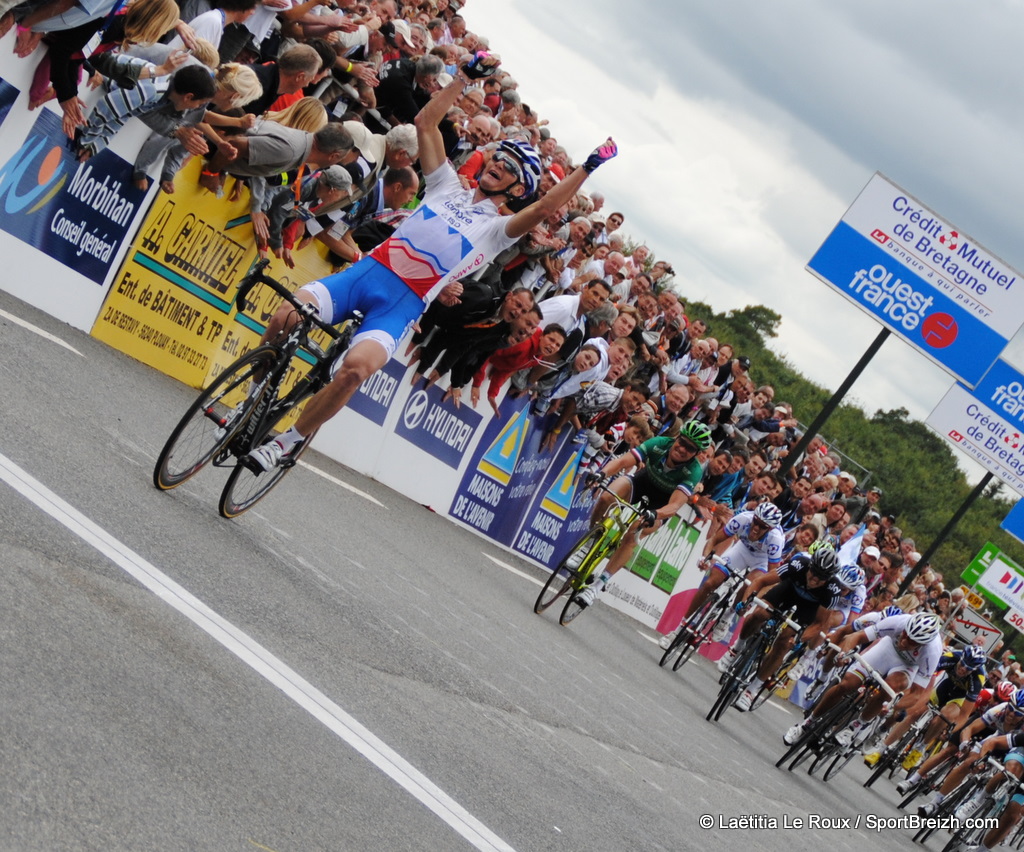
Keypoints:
(308, 109)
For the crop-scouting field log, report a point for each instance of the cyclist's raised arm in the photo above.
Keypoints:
(561, 194)
(431, 144)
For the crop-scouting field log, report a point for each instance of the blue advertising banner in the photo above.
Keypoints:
(559, 513)
(891, 292)
(1013, 523)
(987, 423)
(375, 395)
(504, 474)
(8, 95)
(438, 428)
(925, 279)
(77, 213)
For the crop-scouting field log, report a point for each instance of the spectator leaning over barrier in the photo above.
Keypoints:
(371, 220)
(287, 210)
(181, 106)
(236, 84)
(274, 149)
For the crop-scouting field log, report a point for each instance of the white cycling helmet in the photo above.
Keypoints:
(769, 514)
(922, 627)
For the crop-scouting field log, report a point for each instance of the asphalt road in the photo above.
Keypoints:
(340, 669)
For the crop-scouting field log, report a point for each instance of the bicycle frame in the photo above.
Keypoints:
(270, 407)
(617, 519)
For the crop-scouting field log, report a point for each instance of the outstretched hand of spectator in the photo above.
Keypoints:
(192, 139)
(261, 226)
(174, 60)
(74, 117)
(365, 74)
(188, 35)
(285, 254)
(455, 395)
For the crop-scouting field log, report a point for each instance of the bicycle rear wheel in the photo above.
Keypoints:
(561, 579)
(246, 485)
(212, 420)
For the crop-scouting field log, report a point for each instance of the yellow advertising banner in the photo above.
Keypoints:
(171, 304)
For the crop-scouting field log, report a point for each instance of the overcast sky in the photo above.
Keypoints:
(746, 129)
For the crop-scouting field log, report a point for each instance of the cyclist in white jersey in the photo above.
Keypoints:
(453, 233)
(851, 578)
(906, 656)
(757, 546)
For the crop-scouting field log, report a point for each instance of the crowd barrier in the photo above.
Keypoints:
(154, 275)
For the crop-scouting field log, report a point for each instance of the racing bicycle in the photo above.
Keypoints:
(577, 569)
(246, 404)
(699, 627)
(747, 661)
(821, 737)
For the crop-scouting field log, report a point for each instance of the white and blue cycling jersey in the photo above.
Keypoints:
(852, 602)
(746, 554)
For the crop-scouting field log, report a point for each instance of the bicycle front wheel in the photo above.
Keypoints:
(561, 579)
(212, 420)
(682, 643)
(246, 485)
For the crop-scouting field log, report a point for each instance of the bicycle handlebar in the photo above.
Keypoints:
(765, 605)
(638, 509)
(255, 276)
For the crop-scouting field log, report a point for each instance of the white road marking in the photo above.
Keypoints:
(341, 484)
(243, 646)
(515, 571)
(36, 330)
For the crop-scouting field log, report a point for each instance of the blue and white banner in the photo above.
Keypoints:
(987, 423)
(77, 213)
(934, 286)
(436, 427)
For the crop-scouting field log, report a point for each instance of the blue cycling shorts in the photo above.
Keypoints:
(386, 302)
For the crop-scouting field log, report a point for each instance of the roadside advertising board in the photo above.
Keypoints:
(987, 423)
(923, 278)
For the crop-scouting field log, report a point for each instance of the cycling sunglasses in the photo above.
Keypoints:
(686, 445)
(510, 164)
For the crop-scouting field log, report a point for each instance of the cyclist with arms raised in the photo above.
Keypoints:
(453, 232)
(668, 472)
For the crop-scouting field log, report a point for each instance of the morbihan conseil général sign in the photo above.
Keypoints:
(987, 423)
(924, 279)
